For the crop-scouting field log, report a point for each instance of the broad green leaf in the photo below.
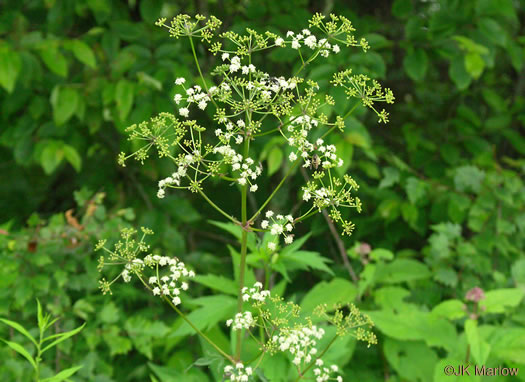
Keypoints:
(415, 63)
(474, 64)
(19, 328)
(51, 157)
(72, 156)
(413, 361)
(518, 272)
(275, 158)
(306, 260)
(236, 231)
(401, 270)
(214, 309)
(109, 313)
(458, 73)
(64, 101)
(10, 65)
(391, 177)
(479, 348)
(336, 291)
(124, 95)
(54, 60)
(470, 46)
(380, 254)
(499, 300)
(219, 283)
(20, 350)
(507, 344)
(468, 178)
(83, 53)
(63, 375)
(62, 337)
(415, 189)
(493, 31)
(402, 8)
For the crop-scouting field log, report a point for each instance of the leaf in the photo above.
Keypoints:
(499, 300)
(219, 283)
(474, 65)
(402, 8)
(19, 328)
(51, 157)
(413, 361)
(479, 348)
(275, 158)
(391, 177)
(415, 63)
(236, 231)
(20, 350)
(64, 101)
(450, 309)
(62, 337)
(468, 178)
(336, 291)
(83, 53)
(458, 74)
(305, 260)
(54, 60)
(10, 65)
(72, 156)
(415, 189)
(380, 254)
(124, 94)
(401, 270)
(507, 344)
(213, 310)
(63, 375)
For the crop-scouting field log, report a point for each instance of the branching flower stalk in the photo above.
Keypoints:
(249, 103)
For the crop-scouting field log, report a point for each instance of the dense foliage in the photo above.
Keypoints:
(442, 188)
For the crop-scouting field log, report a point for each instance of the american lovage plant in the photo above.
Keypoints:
(247, 104)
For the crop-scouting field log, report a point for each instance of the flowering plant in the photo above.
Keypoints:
(247, 104)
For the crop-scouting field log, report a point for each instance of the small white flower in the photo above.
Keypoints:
(272, 246)
(183, 111)
(264, 224)
(253, 187)
(176, 300)
(336, 48)
(152, 280)
(180, 81)
(269, 214)
(288, 239)
(292, 157)
(295, 44)
(202, 105)
(225, 56)
(279, 41)
(289, 34)
(177, 98)
(242, 181)
(156, 291)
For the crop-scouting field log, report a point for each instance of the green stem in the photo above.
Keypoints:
(301, 375)
(297, 161)
(217, 207)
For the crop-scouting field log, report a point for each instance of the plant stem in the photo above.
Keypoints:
(275, 190)
(301, 375)
(217, 207)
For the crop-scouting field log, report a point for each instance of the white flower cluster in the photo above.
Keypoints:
(323, 373)
(169, 285)
(308, 39)
(248, 172)
(135, 266)
(174, 179)
(278, 225)
(241, 321)
(232, 131)
(324, 154)
(195, 95)
(256, 293)
(235, 64)
(300, 343)
(238, 373)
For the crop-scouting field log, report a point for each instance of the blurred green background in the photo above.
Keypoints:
(442, 184)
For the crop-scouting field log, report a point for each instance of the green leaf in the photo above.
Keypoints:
(499, 300)
(83, 53)
(124, 95)
(275, 158)
(236, 231)
(479, 348)
(10, 65)
(458, 73)
(20, 350)
(493, 31)
(64, 101)
(415, 189)
(336, 291)
(54, 60)
(380, 254)
(415, 63)
(51, 157)
(63, 375)
(219, 283)
(468, 178)
(305, 260)
(401, 270)
(402, 8)
(72, 156)
(413, 361)
(19, 328)
(507, 344)
(474, 65)
(213, 310)
(62, 337)
(109, 313)
(391, 177)
(450, 309)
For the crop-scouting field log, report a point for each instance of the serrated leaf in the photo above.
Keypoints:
(468, 178)
(402, 270)
(391, 177)
(415, 189)
(499, 300)
(10, 65)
